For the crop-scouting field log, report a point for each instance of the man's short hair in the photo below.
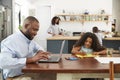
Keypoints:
(95, 29)
(31, 19)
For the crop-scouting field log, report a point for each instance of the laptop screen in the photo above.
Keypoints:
(62, 47)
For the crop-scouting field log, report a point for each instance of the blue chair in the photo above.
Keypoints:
(1, 71)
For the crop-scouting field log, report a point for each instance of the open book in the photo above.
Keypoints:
(108, 59)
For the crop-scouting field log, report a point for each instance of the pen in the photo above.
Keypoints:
(71, 58)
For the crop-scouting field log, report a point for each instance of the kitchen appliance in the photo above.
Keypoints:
(76, 33)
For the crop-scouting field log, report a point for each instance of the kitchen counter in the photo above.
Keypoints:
(64, 38)
(54, 43)
(112, 38)
(76, 38)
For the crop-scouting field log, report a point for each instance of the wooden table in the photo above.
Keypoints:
(72, 70)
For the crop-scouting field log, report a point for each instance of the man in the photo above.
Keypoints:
(19, 49)
(96, 32)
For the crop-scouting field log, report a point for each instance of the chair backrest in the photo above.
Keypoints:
(114, 68)
(111, 70)
(1, 75)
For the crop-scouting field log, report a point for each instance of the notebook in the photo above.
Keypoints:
(54, 58)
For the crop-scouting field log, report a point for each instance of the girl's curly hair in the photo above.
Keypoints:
(95, 42)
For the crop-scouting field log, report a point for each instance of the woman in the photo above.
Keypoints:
(54, 27)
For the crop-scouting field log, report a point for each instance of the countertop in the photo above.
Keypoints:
(76, 38)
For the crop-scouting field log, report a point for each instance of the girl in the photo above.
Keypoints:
(88, 43)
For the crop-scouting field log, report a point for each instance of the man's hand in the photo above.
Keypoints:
(38, 56)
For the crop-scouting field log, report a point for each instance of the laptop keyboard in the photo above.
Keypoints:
(54, 58)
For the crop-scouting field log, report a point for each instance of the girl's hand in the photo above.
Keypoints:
(82, 53)
(95, 53)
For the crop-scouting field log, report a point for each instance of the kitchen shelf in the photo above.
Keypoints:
(84, 18)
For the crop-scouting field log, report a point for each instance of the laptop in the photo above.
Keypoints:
(55, 58)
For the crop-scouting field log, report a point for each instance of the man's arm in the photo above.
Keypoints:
(7, 61)
(8, 58)
(39, 53)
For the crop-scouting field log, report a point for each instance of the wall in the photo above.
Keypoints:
(79, 6)
(116, 13)
(23, 6)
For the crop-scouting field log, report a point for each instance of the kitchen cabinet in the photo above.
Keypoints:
(54, 43)
(84, 18)
(54, 46)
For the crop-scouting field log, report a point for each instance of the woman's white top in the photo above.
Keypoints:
(54, 29)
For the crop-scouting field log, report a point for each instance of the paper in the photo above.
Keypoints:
(108, 59)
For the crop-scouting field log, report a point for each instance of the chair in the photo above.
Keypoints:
(111, 70)
(1, 71)
(114, 68)
(1, 74)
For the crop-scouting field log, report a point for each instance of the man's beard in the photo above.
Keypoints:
(27, 34)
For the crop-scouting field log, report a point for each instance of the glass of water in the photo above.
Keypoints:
(119, 49)
(109, 52)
